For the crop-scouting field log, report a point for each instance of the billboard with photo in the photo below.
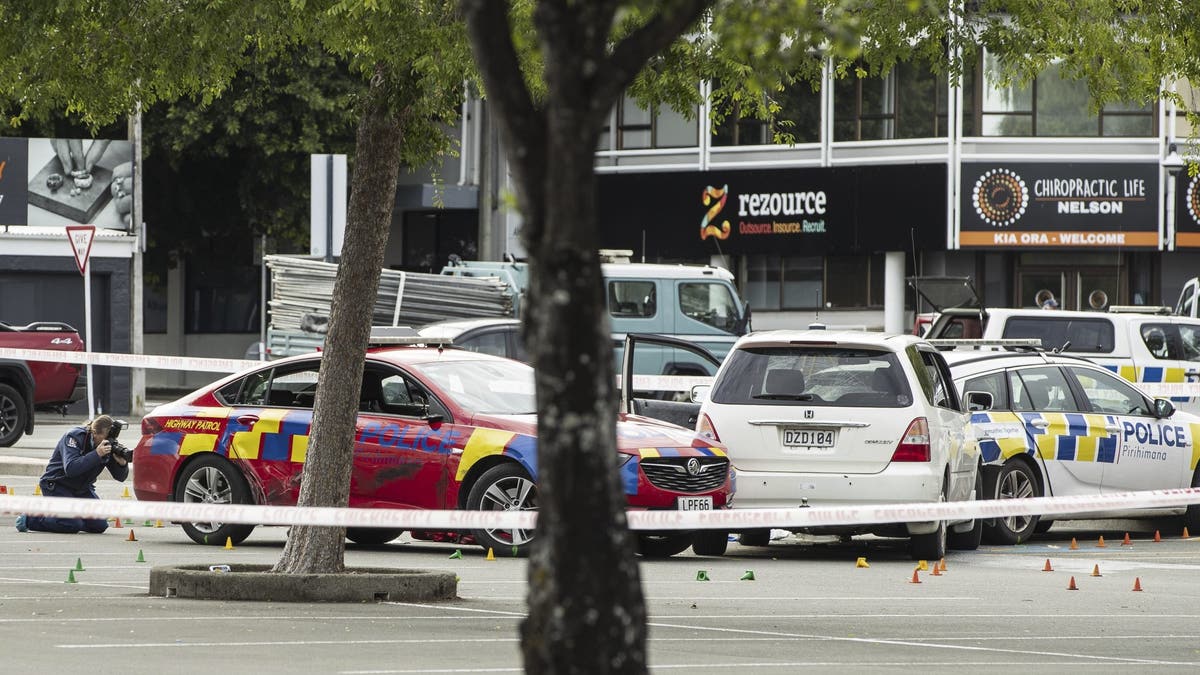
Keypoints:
(53, 182)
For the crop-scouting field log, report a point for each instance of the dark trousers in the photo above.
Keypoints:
(65, 525)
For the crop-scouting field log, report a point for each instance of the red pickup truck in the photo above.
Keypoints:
(41, 385)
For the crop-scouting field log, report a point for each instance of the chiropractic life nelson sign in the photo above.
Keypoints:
(1054, 205)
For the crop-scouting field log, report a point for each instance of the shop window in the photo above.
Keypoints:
(1053, 105)
(639, 128)
(776, 282)
(908, 102)
(222, 299)
(799, 116)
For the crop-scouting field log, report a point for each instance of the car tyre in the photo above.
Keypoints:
(1043, 526)
(710, 542)
(504, 487)
(755, 538)
(970, 539)
(14, 415)
(211, 479)
(1014, 480)
(372, 536)
(662, 545)
(1192, 517)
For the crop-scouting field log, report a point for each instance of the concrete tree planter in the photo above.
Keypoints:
(256, 582)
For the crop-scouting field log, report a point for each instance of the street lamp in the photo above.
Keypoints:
(1173, 163)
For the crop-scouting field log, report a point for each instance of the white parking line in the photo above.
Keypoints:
(742, 665)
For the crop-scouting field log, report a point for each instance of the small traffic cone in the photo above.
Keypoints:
(158, 523)
(862, 562)
(937, 570)
(942, 564)
(118, 524)
(1101, 544)
(71, 577)
(3, 489)
(1074, 544)
(1071, 586)
(1137, 584)
(916, 579)
(148, 523)
(125, 494)
(702, 575)
(457, 555)
(141, 558)
(491, 555)
(1185, 533)
(1047, 567)
(748, 576)
(923, 565)
(228, 543)
(1126, 541)
(37, 490)
(131, 537)
(1157, 537)
(79, 565)
(514, 551)
(1096, 571)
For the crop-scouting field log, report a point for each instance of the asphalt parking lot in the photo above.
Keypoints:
(808, 607)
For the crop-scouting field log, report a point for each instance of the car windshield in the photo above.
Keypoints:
(813, 376)
(498, 387)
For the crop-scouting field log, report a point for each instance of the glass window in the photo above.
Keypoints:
(803, 278)
(1061, 106)
(494, 387)
(222, 299)
(1158, 342)
(1189, 342)
(992, 383)
(709, 303)
(632, 299)
(849, 280)
(806, 282)
(763, 277)
(813, 376)
(1108, 394)
(492, 342)
(1084, 335)
(864, 108)
(934, 380)
(1044, 389)
(638, 127)
(673, 130)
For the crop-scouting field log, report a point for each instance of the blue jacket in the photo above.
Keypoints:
(75, 464)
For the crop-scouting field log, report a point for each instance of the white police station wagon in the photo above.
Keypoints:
(1061, 425)
(824, 418)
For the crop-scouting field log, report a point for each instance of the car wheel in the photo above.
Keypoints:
(710, 542)
(1192, 518)
(1015, 480)
(505, 487)
(755, 538)
(969, 540)
(662, 545)
(211, 479)
(1043, 526)
(14, 415)
(371, 536)
(930, 546)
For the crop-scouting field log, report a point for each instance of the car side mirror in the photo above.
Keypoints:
(978, 401)
(700, 393)
(1163, 408)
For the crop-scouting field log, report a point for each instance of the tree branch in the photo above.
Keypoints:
(630, 55)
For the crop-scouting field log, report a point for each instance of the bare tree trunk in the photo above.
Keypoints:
(329, 460)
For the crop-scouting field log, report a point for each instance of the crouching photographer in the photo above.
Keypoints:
(79, 458)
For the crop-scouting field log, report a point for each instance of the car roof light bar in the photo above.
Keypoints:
(400, 336)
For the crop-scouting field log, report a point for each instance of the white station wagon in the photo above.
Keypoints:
(824, 418)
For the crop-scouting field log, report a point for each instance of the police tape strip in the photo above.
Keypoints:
(189, 363)
(728, 519)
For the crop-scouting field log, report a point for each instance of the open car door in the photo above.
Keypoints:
(665, 397)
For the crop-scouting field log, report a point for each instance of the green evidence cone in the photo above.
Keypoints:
(71, 577)
(457, 555)
(702, 575)
(514, 551)
(78, 564)
(748, 576)
(141, 558)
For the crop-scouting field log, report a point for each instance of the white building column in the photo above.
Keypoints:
(893, 292)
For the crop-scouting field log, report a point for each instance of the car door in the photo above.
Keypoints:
(405, 438)
(1073, 444)
(1151, 454)
(950, 427)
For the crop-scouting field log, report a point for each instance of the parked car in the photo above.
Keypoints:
(1061, 425)
(437, 429)
(498, 336)
(26, 386)
(824, 418)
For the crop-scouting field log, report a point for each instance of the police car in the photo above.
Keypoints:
(1060, 425)
(436, 429)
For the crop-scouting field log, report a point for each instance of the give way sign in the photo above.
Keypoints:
(81, 237)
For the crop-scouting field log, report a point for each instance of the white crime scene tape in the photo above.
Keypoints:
(728, 519)
(190, 363)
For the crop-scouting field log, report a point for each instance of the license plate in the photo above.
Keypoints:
(694, 503)
(810, 438)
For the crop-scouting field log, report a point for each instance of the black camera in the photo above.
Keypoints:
(118, 449)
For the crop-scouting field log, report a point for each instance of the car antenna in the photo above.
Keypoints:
(1065, 346)
(912, 237)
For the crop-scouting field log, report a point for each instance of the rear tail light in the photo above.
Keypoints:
(150, 426)
(914, 445)
(706, 429)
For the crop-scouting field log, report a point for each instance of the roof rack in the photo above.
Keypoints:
(1141, 309)
(402, 336)
(1034, 343)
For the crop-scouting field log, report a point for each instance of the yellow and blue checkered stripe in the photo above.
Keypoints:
(1151, 374)
(1074, 437)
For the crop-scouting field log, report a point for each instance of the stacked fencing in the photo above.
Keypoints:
(302, 286)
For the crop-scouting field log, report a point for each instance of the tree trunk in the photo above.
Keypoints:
(586, 610)
(312, 549)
